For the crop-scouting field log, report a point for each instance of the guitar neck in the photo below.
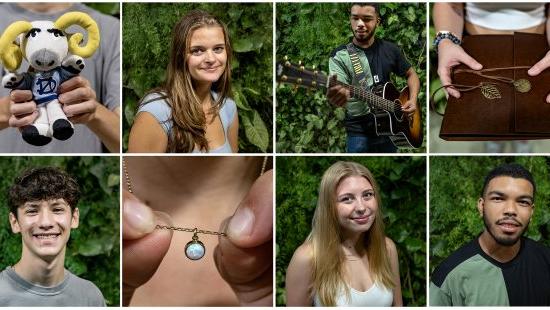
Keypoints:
(299, 76)
(369, 97)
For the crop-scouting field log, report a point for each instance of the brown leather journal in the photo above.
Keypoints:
(515, 115)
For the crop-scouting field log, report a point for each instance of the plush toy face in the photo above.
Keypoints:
(44, 46)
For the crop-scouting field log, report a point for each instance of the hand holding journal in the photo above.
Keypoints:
(501, 101)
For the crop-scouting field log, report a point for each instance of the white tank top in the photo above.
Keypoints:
(505, 16)
(376, 296)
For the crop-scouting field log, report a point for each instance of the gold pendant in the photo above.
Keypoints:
(522, 85)
(490, 91)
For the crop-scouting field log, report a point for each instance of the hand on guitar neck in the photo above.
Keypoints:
(338, 95)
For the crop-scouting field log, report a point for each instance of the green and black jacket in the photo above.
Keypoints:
(470, 277)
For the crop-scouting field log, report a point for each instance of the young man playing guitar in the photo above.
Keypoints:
(377, 59)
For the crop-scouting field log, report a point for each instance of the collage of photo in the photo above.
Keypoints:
(274, 154)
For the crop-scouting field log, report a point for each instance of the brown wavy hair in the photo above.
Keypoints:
(187, 115)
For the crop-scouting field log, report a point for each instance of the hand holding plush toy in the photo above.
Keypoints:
(54, 57)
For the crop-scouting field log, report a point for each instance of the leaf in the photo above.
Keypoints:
(90, 247)
(129, 113)
(256, 131)
(98, 170)
(240, 100)
(77, 267)
(243, 45)
(113, 180)
(490, 91)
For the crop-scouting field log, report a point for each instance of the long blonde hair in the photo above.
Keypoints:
(326, 237)
(187, 116)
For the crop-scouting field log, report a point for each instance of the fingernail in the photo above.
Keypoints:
(138, 216)
(241, 223)
(532, 72)
(162, 218)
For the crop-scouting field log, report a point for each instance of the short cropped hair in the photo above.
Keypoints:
(513, 170)
(44, 183)
(375, 5)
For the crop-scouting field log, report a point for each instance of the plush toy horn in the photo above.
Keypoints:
(10, 53)
(85, 21)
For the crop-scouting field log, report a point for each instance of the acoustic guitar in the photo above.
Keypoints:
(385, 102)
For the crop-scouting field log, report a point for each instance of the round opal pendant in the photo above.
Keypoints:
(194, 250)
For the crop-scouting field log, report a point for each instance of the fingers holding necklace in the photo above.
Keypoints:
(244, 257)
(144, 247)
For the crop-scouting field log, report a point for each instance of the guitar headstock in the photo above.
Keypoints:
(298, 75)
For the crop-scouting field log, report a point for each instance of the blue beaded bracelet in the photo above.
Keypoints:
(445, 35)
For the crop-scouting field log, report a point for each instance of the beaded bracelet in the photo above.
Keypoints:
(445, 35)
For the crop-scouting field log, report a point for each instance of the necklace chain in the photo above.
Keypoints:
(193, 230)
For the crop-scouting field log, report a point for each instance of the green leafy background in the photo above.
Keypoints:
(93, 250)
(306, 122)
(455, 186)
(402, 181)
(146, 44)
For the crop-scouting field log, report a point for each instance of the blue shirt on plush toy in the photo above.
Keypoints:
(44, 84)
(54, 57)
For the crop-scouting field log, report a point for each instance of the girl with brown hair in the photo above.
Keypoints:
(192, 111)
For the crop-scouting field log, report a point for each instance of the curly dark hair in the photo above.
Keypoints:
(43, 183)
(376, 6)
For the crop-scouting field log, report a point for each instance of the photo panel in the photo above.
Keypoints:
(330, 216)
(60, 231)
(389, 46)
(489, 78)
(167, 77)
(68, 99)
(198, 231)
(488, 241)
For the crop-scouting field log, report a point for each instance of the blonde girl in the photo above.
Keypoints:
(346, 260)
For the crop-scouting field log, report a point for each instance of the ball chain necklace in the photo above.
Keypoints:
(194, 249)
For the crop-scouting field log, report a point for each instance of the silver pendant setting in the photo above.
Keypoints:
(194, 249)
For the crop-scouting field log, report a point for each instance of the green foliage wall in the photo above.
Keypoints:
(309, 32)
(147, 30)
(455, 186)
(402, 181)
(93, 251)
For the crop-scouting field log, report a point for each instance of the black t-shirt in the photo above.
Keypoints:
(384, 58)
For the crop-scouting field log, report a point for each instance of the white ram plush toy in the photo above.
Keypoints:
(54, 57)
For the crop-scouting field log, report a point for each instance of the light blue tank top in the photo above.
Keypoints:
(161, 111)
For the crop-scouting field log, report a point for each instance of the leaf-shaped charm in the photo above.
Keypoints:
(522, 85)
(490, 91)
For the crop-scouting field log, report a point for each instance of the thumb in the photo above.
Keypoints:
(138, 219)
(252, 223)
(540, 66)
(470, 62)
(144, 247)
(244, 259)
